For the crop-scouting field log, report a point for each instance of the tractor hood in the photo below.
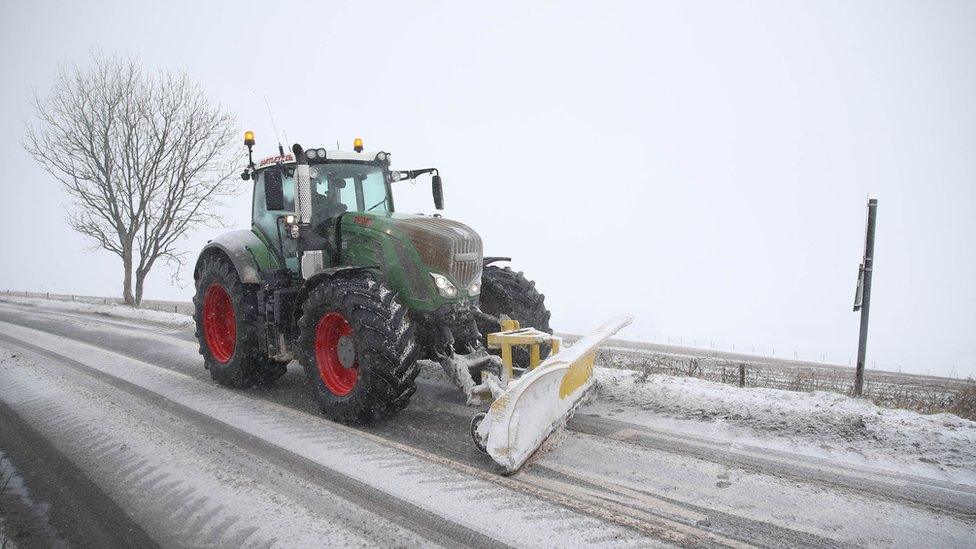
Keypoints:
(444, 246)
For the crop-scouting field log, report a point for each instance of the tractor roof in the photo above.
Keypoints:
(365, 156)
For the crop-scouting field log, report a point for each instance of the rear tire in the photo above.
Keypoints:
(506, 292)
(357, 347)
(225, 312)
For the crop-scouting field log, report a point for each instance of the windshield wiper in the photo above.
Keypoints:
(375, 205)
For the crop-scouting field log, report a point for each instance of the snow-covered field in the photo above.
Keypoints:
(110, 309)
(821, 424)
(922, 393)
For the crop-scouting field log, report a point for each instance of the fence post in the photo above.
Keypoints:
(864, 304)
(742, 374)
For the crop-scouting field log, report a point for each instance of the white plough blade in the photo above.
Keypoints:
(544, 398)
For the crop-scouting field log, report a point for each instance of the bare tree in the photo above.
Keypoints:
(144, 159)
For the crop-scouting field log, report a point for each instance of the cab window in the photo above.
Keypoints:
(340, 187)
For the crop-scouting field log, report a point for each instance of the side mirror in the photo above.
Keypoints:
(274, 195)
(438, 189)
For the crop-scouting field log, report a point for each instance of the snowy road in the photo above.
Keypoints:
(129, 406)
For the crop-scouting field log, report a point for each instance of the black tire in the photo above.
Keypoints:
(385, 352)
(248, 364)
(269, 373)
(506, 292)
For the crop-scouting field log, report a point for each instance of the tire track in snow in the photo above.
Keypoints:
(942, 497)
(171, 487)
(69, 422)
(218, 409)
(141, 470)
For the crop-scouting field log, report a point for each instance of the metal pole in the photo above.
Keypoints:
(862, 338)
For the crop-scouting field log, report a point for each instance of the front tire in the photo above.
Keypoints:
(357, 348)
(506, 292)
(225, 312)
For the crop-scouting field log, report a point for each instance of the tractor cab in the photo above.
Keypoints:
(339, 182)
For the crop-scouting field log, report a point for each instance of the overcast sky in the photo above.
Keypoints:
(703, 166)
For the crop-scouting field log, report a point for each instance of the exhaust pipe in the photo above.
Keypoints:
(303, 186)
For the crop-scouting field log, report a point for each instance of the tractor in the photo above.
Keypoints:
(329, 274)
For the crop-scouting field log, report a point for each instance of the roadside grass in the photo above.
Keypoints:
(927, 395)
(965, 402)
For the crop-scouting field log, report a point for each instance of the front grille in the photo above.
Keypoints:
(445, 246)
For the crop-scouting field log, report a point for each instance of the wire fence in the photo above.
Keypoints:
(180, 307)
(925, 394)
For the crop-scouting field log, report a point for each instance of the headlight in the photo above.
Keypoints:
(444, 286)
(383, 157)
(475, 288)
(321, 153)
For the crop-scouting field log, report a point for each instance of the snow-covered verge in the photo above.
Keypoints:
(820, 424)
(112, 310)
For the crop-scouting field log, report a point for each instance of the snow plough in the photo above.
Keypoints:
(330, 275)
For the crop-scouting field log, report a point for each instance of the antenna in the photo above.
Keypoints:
(338, 148)
(281, 150)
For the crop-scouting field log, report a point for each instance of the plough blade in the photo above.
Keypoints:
(544, 398)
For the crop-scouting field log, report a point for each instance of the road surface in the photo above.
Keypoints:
(116, 436)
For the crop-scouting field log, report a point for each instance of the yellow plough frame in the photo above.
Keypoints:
(512, 335)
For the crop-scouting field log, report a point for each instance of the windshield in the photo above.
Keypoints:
(338, 188)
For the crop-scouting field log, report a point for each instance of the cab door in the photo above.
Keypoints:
(268, 224)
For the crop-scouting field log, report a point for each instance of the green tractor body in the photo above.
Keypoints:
(331, 275)
(405, 250)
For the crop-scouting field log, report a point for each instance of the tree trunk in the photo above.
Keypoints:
(127, 279)
(140, 277)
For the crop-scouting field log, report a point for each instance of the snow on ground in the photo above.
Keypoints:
(113, 310)
(821, 424)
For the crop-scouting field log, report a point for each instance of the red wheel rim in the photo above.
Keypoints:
(219, 325)
(333, 345)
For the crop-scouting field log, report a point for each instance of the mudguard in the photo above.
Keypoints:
(245, 250)
(543, 399)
